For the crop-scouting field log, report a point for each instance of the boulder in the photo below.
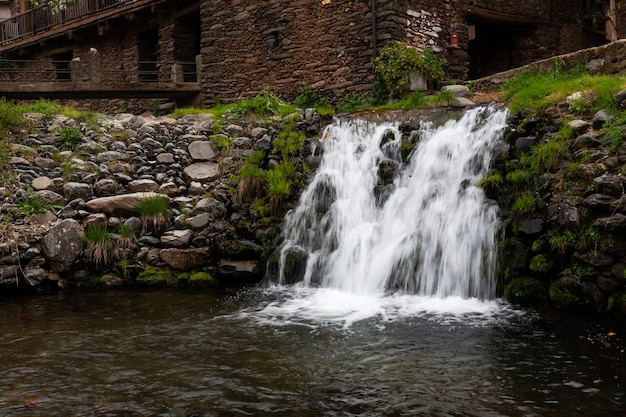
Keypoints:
(42, 183)
(119, 205)
(458, 90)
(63, 244)
(185, 259)
(240, 269)
(74, 190)
(177, 239)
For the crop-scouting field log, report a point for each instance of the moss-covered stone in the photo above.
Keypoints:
(202, 279)
(525, 291)
(617, 303)
(157, 276)
(564, 292)
(541, 264)
(512, 258)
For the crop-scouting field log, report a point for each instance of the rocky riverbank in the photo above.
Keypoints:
(72, 205)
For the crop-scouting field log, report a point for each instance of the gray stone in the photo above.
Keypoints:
(142, 186)
(600, 118)
(579, 126)
(209, 205)
(96, 219)
(201, 150)
(42, 183)
(185, 259)
(202, 172)
(52, 197)
(106, 187)
(525, 143)
(165, 158)
(177, 239)
(599, 202)
(258, 132)
(44, 163)
(109, 156)
(34, 275)
(595, 66)
(458, 90)
(74, 190)
(43, 218)
(119, 205)
(200, 221)
(608, 184)
(586, 142)
(63, 244)
(169, 188)
(614, 223)
(462, 102)
(531, 226)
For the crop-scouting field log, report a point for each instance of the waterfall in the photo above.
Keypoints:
(370, 223)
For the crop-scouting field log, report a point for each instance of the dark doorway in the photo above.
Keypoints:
(147, 45)
(61, 63)
(187, 43)
(498, 46)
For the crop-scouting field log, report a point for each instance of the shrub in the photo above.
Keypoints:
(306, 97)
(397, 61)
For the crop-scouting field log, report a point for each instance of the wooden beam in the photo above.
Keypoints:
(497, 17)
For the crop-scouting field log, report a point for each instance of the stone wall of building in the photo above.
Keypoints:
(284, 45)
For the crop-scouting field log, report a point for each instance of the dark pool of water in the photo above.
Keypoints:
(173, 353)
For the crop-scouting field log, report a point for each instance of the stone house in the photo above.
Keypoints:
(238, 47)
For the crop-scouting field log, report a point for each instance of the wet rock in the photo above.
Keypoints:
(608, 184)
(35, 275)
(614, 223)
(63, 244)
(531, 227)
(239, 269)
(579, 126)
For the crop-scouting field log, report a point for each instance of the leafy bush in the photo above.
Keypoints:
(306, 97)
(397, 61)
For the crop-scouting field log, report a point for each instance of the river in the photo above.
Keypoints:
(178, 353)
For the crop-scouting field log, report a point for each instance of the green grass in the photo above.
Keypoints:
(35, 205)
(546, 156)
(524, 204)
(532, 91)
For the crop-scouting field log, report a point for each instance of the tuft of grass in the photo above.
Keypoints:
(155, 214)
(68, 138)
(289, 143)
(251, 183)
(524, 204)
(546, 156)
(264, 104)
(101, 248)
(35, 205)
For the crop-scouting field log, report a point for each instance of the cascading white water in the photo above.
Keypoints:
(430, 231)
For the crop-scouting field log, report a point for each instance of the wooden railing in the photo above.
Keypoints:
(46, 16)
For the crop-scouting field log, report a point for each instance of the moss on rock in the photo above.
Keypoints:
(541, 264)
(563, 292)
(157, 276)
(202, 279)
(525, 291)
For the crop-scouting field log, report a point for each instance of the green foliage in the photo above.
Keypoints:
(251, 183)
(280, 180)
(396, 62)
(157, 276)
(525, 291)
(68, 138)
(546, 156)
(289, 143)
(155, 214)
(524, 204)
(492, 182)
(201, 279)
(614, 131)
(587, 238)
(561, 293)
(306, 97)
(35, 205)
(351, 103)
(518, 177)
(11, 116)
(255, 158)
(100, 245)
(380, 92)
(541, 264)
(532, 91)
(222, 142)
(265, 104)
(563, 242)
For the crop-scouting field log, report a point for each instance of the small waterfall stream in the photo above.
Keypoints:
(427, 231)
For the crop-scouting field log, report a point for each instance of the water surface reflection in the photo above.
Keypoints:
(173, 353)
